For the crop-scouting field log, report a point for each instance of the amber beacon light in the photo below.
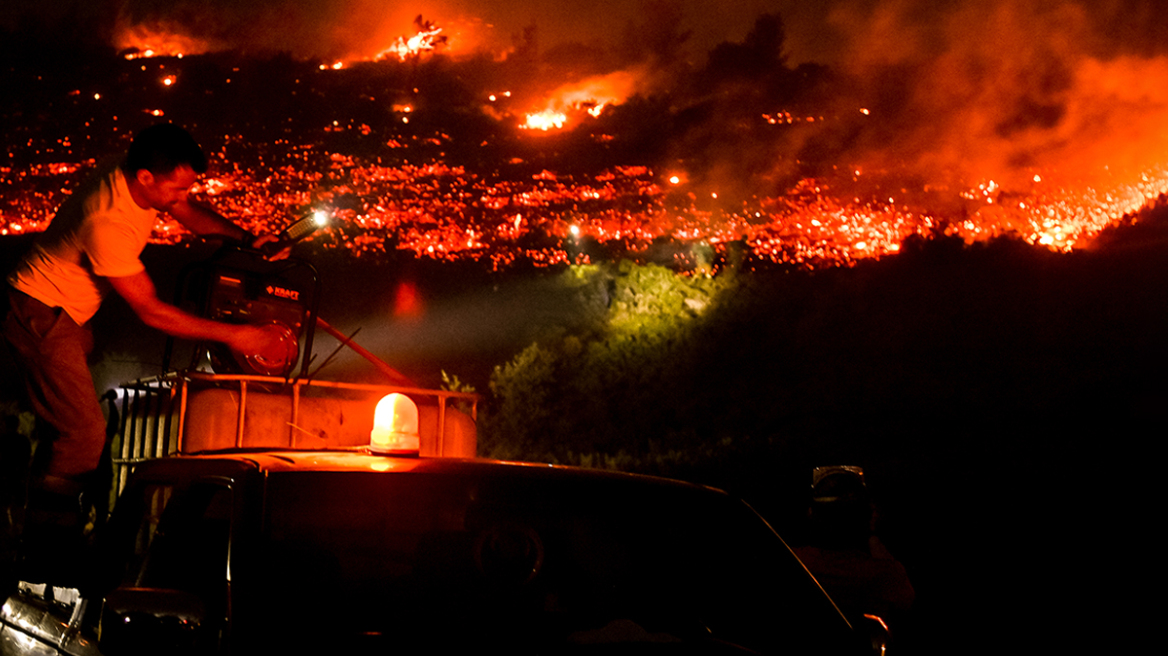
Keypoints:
(395, 426)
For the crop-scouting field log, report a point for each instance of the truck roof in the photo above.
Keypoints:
(360, 459)
(366, 551)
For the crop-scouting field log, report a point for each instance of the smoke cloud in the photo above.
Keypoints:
(947, 93)
(977, 89)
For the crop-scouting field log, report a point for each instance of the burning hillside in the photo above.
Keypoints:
(421, 143)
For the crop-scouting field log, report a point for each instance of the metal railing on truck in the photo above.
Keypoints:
(191, 412)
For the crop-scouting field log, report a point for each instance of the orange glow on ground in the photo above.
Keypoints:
(444, 212)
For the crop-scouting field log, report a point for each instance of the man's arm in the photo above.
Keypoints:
(139, 292)
(206, 222)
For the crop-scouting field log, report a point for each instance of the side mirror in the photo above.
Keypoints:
(151, 621)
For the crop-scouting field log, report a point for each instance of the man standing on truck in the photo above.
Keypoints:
(92, 245)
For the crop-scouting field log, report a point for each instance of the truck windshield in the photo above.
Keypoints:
(579, 561)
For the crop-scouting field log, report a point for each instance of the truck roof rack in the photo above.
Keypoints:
(186, 412)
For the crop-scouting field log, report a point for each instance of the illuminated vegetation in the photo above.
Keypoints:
(614, 389)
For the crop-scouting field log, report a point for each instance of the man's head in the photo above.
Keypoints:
(163, 147)
(163, 162)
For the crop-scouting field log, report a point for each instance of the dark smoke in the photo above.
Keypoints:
(976, 89)
(931, 95)
(922, 95)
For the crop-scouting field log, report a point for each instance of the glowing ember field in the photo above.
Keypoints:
(400, 173)
(442, 211)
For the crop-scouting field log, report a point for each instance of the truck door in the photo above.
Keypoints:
(174, 595)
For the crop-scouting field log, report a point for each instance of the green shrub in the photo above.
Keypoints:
(618, 388)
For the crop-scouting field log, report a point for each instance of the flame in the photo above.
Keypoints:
(545, 120)
(590, 96)
(428, 38)
(142, 41)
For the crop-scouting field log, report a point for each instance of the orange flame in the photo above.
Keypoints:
(139, 41)
(428, 38)
(591, 95)
(545, 120)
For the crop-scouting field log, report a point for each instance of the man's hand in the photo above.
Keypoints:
(272, 247)
(271, 346)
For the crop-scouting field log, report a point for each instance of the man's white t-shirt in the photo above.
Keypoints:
(98, 233)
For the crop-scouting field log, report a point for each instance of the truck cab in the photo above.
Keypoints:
(281, 550)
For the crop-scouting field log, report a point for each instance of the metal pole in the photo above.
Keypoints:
(242, 408)
(395, 376)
